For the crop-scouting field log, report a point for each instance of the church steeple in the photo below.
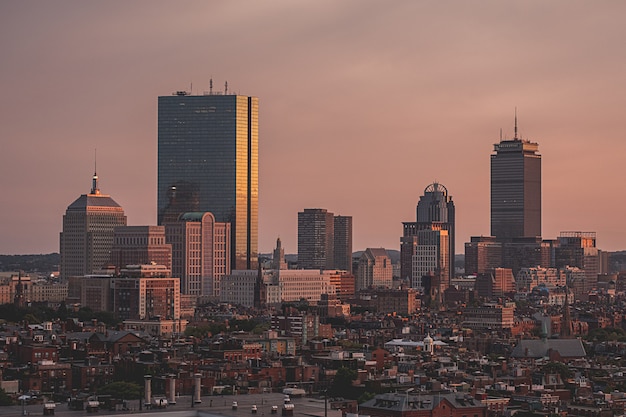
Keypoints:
(566, 325)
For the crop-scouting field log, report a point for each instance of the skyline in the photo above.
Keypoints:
(362, 105)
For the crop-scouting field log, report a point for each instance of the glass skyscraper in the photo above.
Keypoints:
(208, 161)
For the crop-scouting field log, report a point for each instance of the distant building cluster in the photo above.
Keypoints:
(207, 236)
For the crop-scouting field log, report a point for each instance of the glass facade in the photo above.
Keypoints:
(208, 161)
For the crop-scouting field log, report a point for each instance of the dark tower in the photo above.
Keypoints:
(515, 189)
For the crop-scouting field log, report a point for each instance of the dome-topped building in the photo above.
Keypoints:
(428, 243)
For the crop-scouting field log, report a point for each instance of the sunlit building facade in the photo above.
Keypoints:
(200, 252)
(87, 236)
(140, 245)
(375, 270)
(208, 162)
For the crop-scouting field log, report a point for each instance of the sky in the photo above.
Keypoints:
(363, 104)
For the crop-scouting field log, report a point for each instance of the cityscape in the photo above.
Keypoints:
(259, 283)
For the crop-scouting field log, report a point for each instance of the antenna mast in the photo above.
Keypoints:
(211, 86)
(226, 88)
(515, 137)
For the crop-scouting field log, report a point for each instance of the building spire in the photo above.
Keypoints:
(515, 137)
(94, 182)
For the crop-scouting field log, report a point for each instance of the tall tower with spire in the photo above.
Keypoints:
(515, 189)
(87, 236)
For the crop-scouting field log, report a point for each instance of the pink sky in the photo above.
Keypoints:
(362, 105)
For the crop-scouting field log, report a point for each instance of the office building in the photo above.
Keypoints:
(140, 245)
(578, 249)
(208, 162)
(435, 220)
(497, 282)
(324, 240)
(87, 236)
(526, 253)
(482, 254)
(276, 286)
(343, 243)
(200, 252)
(375, 270)
(144, 292)
(431, 258)
(515, 189)
(489, 316)
(529, 278)
(316, 239)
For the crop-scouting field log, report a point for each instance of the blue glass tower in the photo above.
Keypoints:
(208, 161)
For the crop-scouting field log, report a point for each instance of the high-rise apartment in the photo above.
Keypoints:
(316, 231)
(435, 215)
(87, 236)
(343, 243)
(208, 162)
(515, 189)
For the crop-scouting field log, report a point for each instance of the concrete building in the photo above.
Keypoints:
(276, 286)
(402, 301)
(375, 269)
(482, 254)
(146, 292)
(343, 243)
(316, 239)
(489, 316)
(578, 249)
(344, 283)
(87, 236)
(139, 292)
(529, 278)
(208, 162)
(140, 245)
(324, 240)
(238, 287)
(496, 283)
(200, 252)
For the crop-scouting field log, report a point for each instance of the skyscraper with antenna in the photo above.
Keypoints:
(87, 236)
(515, 188)
(208, 162)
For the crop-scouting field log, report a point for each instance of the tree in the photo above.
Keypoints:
(121, 390)
(558, 368)
(5, 399)
(342, 384)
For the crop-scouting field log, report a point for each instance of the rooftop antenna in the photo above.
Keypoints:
(515, 137)
(226, 88)
(211, 86)
(500, 134)
(191, 87)
(94, 181)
